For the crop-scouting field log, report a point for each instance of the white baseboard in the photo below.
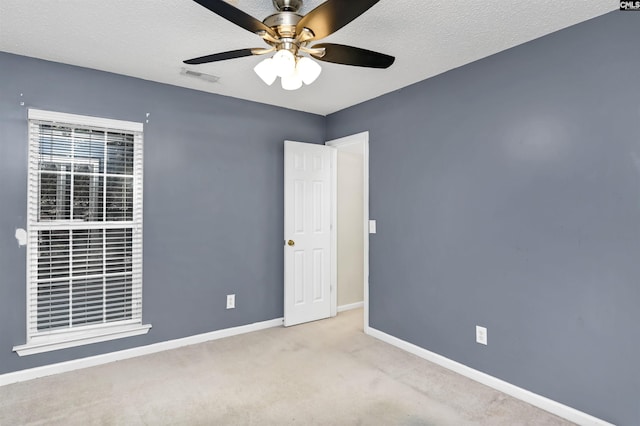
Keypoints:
(76, 364)
(539, 401)
(350, 306)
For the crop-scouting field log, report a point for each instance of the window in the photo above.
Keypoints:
(84, 226)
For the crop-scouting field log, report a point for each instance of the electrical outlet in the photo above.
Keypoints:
(481, 335)
(231, 301)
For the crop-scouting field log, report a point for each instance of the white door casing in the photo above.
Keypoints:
(309, 200)
(363, 139)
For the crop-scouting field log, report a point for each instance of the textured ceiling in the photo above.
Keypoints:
(149, 39)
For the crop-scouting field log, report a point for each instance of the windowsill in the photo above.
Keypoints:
(48, 343)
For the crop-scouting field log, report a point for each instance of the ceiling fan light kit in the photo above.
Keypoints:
(292, 71)
(289, 34)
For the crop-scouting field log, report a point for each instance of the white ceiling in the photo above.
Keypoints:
(149, 39)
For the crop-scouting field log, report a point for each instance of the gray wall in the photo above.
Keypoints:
(213, 199)
(507, 194)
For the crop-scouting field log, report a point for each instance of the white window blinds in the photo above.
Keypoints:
(84, 252)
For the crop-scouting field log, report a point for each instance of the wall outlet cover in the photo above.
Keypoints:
(231, 301)
(481, 335)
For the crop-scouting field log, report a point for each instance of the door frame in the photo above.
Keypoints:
(358, 138)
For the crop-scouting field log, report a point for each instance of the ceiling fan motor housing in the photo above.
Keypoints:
(287, 5)
(284, 23)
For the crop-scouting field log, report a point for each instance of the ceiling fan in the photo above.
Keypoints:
(290, 34)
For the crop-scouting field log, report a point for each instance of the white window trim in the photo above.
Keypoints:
(71, 339)
(67, 338)
(84, 120)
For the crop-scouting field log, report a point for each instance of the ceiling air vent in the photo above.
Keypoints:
(200, 75)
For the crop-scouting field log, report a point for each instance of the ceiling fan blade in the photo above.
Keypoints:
(235, 15)
(332, 15)
(349, 55)
(232, 54)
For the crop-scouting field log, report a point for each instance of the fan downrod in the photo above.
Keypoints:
(287, 5)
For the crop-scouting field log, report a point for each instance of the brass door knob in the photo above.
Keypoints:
(291, 243)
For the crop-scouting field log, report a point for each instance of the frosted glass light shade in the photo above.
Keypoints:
(292, 82)
(308, 69)
(284, 62)
(266, 70)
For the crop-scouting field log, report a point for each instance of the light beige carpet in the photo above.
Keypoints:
(322, 373)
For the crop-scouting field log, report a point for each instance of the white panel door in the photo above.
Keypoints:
(308, 199)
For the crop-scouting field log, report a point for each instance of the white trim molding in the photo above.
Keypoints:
(86, 120)
(54, 342)
(350, 306)
(92, 361)
(363, 138)
(534, 399)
